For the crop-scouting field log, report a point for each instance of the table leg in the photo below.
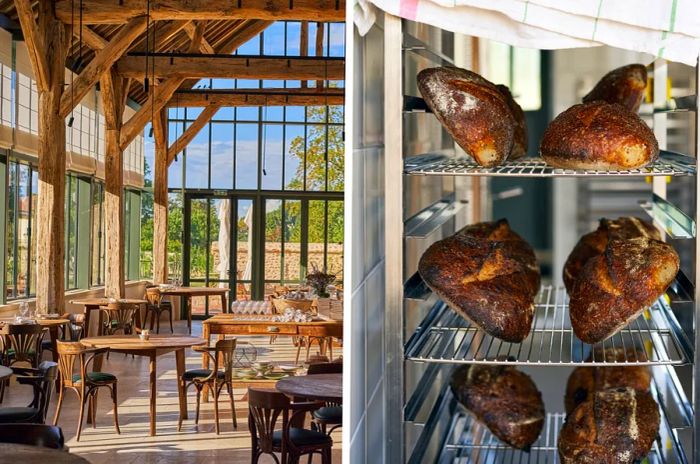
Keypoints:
(181, 392)
(224, 308)
(206, 335)
(86, 311)
(189, 314)
(53, 334)
(153, 394)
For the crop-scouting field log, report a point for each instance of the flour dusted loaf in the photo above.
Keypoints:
(489, 275)
(616, 426)
(600, 136)
(585, 381)
(473, 110)
(502, 398)
(624, 85)
(594, 243)
(615, 287)
(520, 136)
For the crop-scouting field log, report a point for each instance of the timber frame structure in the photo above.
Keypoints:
(184, 40)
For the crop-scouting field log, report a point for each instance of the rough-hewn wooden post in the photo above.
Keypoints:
(46, 41)
(160, 198)
(111, 92)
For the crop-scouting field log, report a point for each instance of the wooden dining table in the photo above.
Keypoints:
(189, 292)
(94, 304)
(318, 387)
(5, 373)
(155, 346)
(27, 454)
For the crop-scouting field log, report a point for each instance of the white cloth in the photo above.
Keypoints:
(665, 28)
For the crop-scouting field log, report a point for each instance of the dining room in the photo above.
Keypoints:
(172, 230)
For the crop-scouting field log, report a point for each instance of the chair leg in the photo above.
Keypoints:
(199, 398)
(153, 319)
(58, 406)
(308, 348)
(83, 400)
(217, 392)
(326, 456)
(179, 420)
(170, 316)
(92, 409)
(114, 405)
(296, 360)
(229, 387)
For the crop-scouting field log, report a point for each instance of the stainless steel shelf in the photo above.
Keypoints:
(427, 221)
(446, 337)
(668, 164)
(670, 218)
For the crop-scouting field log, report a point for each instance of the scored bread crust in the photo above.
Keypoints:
(504, 399)
(599, 136)
(594, 243)
(489, 275)
(473, 111)
(615, 287)
(617, 426)
(585, 381)
(624, 85)
(520, 136)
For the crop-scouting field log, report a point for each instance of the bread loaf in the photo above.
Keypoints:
(599, 136)
(502, 398)
(594, 243)
(617, 426)
(488, 274)
(585, 381)
(616, 286)
(473, 111)
(624, 85)
(520, 137)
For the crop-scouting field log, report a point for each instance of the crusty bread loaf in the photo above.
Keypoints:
(624, 85)
(617, 426)
(520, 137)
(594, 243)
(473, 111)
(585, 381)
(502, 398)
(616, 286)
(600, 136)
(488, 274)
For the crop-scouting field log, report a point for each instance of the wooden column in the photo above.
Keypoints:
(46, 40)
(160, 198)
(111, 91)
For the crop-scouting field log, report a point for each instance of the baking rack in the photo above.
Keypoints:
(446, 337)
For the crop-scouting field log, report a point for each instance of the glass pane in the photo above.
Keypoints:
(274, 39)
(175, 235)
(337, 39)
(32, 253)
(293, 38)
(316, 158)
(273, 237)
(336, 221)
(292, 241)
(247, 113)
(222, 156)
(246, 156)
(294, 158)
(336, 159)
(197, 160)
(244, 244)
(219, 211)
(317, 235)
(11, 234)
(198, 238)
(97, 235)
(23, 230)
(272, 157)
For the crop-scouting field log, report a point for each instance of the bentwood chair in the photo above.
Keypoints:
(332, 413)
(157, 306)
(124, 317)
(42, 382)
(73, 331)
(83, 382)
(218, 378)
(20, 344)
(46, 436)
(265, 407)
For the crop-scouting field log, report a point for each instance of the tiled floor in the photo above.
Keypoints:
(193, 445)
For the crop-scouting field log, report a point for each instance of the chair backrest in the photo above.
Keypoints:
(25, 340)
(121, 315)
(325, 368)
(153, 295)
(225, 357)
(47, 436)
(264, 409)
(68, 354)
(43, 380)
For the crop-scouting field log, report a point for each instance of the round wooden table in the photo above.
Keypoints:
(320, 387)
(93, 304)
(156, 345)
(5, 372)
(189, 292)
(39, 455)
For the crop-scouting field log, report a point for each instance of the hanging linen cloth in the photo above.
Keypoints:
(665, 28)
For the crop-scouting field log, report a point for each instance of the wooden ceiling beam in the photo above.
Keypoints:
(35, 43)
(100, 64)
(192, 131)
(91, 38)
(196, 34)
(255, 97)
(163, 31)
(231, 66)
(112, 11)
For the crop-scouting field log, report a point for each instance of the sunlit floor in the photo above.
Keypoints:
(193, 445)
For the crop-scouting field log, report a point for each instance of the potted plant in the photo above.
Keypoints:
(319, 282)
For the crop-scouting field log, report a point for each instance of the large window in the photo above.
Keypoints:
(21, 222)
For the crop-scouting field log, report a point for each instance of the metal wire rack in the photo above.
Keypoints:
(668, 164)
(446, 337)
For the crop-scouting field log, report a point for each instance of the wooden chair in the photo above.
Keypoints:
(84, 383)
(42, 382)
(125, 317)
(321, 335)
(332, 413)
(218, 378)
(21, 344)
(73, 331)
(265, 407)
(46, 436)
(157, 306)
